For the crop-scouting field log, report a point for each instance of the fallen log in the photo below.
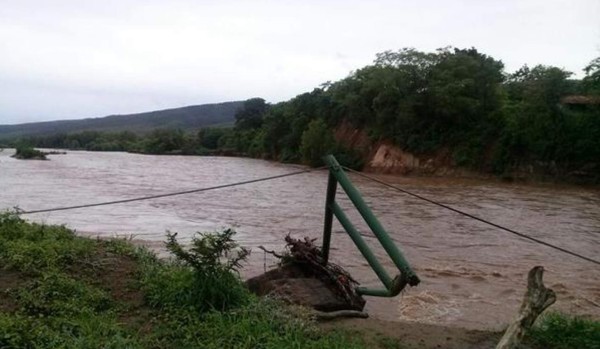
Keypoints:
(536, 300)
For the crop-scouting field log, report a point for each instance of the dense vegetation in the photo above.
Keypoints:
(535, 120)
(159, 141)
(58, 290)
(29, 153)
(191, 117)
(454, 99)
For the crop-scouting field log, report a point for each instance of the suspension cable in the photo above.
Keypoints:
(229, 185)
(522, 235)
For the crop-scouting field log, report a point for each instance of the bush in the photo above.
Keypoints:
(27, 152)
(203, 277)
(560, 331)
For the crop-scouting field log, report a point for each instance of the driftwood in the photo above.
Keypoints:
(271, 252)
(304, 278)
(536, 300)
(307, 253)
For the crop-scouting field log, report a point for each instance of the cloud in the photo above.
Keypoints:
(72, 59)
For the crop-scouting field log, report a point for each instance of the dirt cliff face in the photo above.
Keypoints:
(385, 157)
(390, 159)
(352, 137)
(382, 156)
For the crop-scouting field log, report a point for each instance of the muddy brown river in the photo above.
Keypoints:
(472, 275)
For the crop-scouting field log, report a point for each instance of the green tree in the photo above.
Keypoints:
(163, 141)
(250, 116)
(317, 141)
(540, 119)
(591, 81)
(209, 137)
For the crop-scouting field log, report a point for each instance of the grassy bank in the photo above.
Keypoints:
(58, 290)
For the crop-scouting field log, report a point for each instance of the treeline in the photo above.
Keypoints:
(159, 141)
(455, 99)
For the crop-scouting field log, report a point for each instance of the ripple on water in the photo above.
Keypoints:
(472, 275)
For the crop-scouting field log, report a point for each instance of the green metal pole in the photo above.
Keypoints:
(371, 220)
(331, 189)
(362, 246)
(380, 292)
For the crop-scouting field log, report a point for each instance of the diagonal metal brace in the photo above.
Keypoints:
(392, 286)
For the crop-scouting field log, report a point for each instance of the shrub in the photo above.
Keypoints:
(203, 277)
(560, 331)
(27, 152)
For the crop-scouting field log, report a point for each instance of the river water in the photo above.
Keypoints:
(472, 275)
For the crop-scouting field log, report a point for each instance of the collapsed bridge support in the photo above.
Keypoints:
(392, 286)
(306, 277)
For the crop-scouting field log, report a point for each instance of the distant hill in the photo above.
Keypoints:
(191, 117)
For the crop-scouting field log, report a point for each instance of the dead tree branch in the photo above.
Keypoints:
(536, 300)
(271, 252)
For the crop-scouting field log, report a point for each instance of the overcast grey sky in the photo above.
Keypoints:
(65, 59)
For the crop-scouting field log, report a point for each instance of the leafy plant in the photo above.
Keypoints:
(215, 259)
(210, 252)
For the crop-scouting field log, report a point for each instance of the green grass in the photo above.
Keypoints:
(561, 331)
(33, 248)
(389, 343)
(58, 290)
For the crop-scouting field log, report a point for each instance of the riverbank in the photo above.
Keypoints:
(384, 158)
(59, 289)
(388, 160)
